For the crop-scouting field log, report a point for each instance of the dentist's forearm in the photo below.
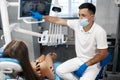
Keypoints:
(97, 58)
(55, 20)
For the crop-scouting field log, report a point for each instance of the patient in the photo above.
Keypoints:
(31, 70)
(44, 66)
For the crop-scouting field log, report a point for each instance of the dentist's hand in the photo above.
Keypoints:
(36, 15)
(81, 70)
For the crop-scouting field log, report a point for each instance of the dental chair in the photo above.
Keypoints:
(7, 67)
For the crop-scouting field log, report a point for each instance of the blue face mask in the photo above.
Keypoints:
(83, 22)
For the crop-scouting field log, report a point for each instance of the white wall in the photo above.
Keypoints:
(107, 15)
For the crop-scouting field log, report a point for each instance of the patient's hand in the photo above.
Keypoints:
(36, 68)
(33, 64)
(38, 71)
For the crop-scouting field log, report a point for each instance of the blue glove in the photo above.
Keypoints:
(36, 15)
(81, 70)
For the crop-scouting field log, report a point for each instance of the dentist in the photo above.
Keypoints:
(90, 44)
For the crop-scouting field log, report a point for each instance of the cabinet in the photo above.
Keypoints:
(111, 47)
(114, 48)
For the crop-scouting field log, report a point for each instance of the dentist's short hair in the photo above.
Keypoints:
(89, 6)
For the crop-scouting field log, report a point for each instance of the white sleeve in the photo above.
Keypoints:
(101, 39)
(73, 23)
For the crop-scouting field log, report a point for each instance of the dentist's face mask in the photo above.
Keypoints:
(83, 22)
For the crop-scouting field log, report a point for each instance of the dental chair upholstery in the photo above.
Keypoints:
(7, 67)
(8, 64)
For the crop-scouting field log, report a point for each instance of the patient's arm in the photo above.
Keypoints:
(34, 65)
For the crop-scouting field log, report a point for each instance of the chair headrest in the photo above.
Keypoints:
(7, 65)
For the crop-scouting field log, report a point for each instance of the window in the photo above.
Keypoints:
(69, 8)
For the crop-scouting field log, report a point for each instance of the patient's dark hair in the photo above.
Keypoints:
(18, 50)
(91, 8)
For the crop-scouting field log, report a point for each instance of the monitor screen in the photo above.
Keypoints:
(42, 6)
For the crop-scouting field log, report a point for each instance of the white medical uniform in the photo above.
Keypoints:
(86, 45)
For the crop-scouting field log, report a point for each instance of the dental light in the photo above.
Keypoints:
(56, 7)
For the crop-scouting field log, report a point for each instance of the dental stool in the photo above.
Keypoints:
(7, 67)
(103, 64)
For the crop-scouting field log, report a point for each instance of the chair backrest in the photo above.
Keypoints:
(103, 63)
(7, 65)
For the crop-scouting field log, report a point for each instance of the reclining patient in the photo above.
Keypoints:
(44, 66)
(39, 70)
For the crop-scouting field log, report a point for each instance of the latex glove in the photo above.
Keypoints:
(81, 70)
(36, 15)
